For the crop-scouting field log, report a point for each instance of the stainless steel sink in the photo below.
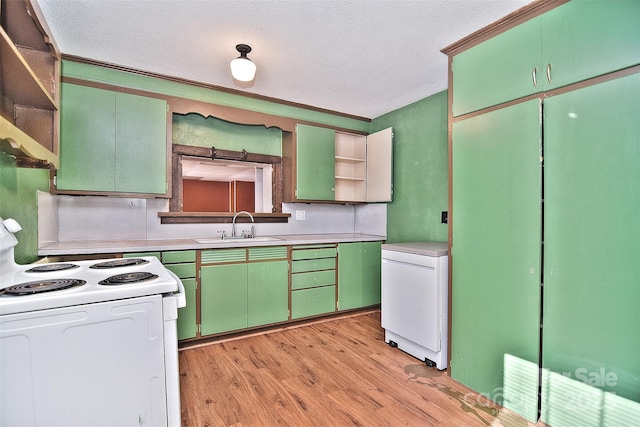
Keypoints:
(237, 240)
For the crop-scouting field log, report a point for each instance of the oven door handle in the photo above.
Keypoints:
(181, 297)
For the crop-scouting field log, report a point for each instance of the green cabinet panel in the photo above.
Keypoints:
(371, 273)
(591, 248)
(141, 254)
(141, 144)
(87, 139)
(237, 294)
(268, 292)
(315, 163)
(575, 41)
(185, 270)
(182, 263)
(499, 69)
(223, 298)
(314, 301)
(112, 141)
(187, 325)
(313, 252)
(223, 255)
(496, 251)
(313, 279)
(313, 265)
(173, 257)
(583, 39)
(358, 274)
(349, 275)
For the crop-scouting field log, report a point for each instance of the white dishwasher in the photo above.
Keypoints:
(415, 299)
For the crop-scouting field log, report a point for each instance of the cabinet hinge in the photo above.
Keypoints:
(199, 328)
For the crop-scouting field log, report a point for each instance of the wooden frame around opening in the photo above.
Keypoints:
(177, 216)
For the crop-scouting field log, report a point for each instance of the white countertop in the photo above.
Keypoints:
(434, 249)
(81, 247)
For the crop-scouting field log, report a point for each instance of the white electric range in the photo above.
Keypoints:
(87, 342)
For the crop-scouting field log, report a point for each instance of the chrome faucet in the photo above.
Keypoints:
(233, 225)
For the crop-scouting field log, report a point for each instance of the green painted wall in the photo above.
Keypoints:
(419, 170)
(18, 200)
(156, 85)
(193, 129)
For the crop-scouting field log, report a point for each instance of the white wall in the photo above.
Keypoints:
(78, 218)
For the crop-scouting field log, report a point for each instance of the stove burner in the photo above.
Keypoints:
(39, 286)
(126, 278)
(48, 268)
(122, 262)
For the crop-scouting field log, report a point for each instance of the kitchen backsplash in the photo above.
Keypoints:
(73, 218)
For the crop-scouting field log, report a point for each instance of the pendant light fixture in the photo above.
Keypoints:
(242, 68)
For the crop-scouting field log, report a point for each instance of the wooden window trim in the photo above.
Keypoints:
(177, 216)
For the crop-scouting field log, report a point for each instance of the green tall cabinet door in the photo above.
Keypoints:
(315, 163)
(268, 292)
(592, 253)
(496, 255)
(223, 298)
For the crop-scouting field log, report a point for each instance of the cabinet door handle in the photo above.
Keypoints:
(533, 76)
(549, 73)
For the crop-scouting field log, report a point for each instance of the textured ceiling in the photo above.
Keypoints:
(364, 58)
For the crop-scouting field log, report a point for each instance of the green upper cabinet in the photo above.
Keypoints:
(341, 166)
(112, 142)
(315, 163)
(583, 39)
(573, 42)
(499, 69)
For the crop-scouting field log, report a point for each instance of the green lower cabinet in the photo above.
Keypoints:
(248, 288)
(183, 264)
(187, 326)
(267, 293)
(313, 301)
(313, 280)
(358, 275)
(223, 298)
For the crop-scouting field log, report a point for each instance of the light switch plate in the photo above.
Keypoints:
(300, 215)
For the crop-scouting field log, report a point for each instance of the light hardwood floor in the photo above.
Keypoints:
(338, 372)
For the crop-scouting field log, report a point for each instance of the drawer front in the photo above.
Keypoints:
(311, 302)
(267, 253)
(302, 266)
(223, 255)
(141, 254)
(314, 252)
(183, 271)
(313, 279)
(175, 257)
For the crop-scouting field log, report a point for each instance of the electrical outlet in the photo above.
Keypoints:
(300, 215)
(444, 217)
